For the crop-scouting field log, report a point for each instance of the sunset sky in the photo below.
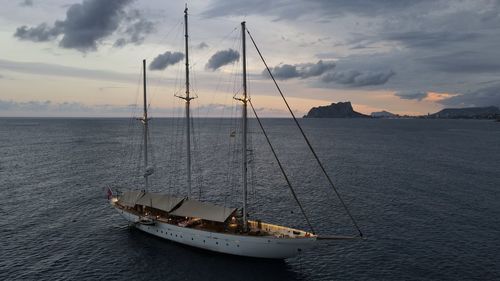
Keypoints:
(84, 57)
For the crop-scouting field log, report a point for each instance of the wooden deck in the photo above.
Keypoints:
(232, 226)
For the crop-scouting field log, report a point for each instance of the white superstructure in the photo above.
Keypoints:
(163, 216)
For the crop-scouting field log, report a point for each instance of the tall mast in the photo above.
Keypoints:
(145, 122)
(245, 121)
(188, 99)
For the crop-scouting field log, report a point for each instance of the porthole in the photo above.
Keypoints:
(192, 238)
(216, 243)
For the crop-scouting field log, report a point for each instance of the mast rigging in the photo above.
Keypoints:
(281, 168)
(306, 139)
(188, 99)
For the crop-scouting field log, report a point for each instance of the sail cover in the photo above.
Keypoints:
(129, 198)
(202, 210)
(162, 202)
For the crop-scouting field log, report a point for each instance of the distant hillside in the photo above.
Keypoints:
(345, 110)
(490, 112)
(335, 110)
(383, 114)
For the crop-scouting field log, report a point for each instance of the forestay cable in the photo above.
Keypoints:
(306, 139)
(281, 168)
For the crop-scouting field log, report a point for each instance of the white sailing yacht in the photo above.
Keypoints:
(202, 224)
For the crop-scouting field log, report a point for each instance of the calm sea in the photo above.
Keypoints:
(424, 192)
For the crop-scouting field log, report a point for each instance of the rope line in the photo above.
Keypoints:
(306, 139)
(281, 168)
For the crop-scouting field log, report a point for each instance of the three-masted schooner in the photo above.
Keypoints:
(202, 224)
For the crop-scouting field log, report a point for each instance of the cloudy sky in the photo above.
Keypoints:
(84, 57)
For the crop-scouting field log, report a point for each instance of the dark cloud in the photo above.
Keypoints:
(222, 58)
(138, 29)
(26, 3)
(361, 47)
(356, 78)
(88, 23)
(135, 30)
(293, 9)
(120, 42)
(446, 46)
(202, 45)
(283, 72)
(430, 39)
(463, 62)
(325, 69)
(40, 33)
(304, 70)
(412, 95)
(481, 97)
(162, 61)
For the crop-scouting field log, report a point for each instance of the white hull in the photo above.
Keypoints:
(241, 245)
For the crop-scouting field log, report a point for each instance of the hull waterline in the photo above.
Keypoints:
(241, 245)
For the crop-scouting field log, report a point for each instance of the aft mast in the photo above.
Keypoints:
(245, 129)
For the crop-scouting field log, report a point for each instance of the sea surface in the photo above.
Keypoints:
(425, 194)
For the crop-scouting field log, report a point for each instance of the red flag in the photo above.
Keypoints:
(109, 193)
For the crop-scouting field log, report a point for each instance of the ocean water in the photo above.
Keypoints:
(424, 192)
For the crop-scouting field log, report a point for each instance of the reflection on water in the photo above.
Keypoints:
(193, 264)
